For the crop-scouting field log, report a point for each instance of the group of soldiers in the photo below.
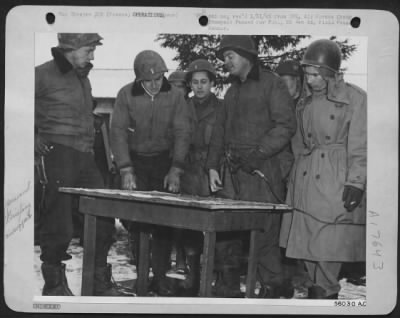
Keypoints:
(296, 136)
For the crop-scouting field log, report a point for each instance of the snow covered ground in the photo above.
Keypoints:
(123, 271)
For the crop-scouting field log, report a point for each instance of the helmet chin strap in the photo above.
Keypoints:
(148, 92)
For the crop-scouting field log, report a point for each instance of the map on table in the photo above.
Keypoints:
(176, 199)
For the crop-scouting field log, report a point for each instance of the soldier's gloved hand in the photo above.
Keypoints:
(42, 147)
(172, 179)
(253, 161)
(352, 197)
(128, 178)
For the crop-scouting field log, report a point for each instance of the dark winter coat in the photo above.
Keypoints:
(331, 149)
(63, 104)
(256, 113)
(149, 125)
(203, 117)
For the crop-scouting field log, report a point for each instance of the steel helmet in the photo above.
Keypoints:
(177, 76)
(289, 67)
(242, 44)
(324, 54)
(75, 41)
(148, 65)
(200, 65)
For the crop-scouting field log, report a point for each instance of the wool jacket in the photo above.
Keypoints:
(203, 116)
(148, 125)
(256, 113)
(64, 104)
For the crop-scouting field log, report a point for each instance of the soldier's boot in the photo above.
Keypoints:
(228, 284)
(191, 284)
(317, 292)
(103, 284)
(55, 281)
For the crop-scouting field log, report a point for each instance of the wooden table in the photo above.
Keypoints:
(209, 215)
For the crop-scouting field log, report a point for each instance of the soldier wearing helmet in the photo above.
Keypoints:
(255, 123)
(178, 79)
(292, 74)
(328, 179)
(64, 138)
(203, 105)
(150, 137)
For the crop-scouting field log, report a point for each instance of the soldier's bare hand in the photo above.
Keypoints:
(215, 180)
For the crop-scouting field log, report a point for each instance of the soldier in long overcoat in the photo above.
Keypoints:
(327, 184)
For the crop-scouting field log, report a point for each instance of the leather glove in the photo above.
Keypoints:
(128, 179)
(42, 147)
(172, 179)
(352, 197)
(253, 161)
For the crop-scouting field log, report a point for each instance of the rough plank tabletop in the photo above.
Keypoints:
(176, 199)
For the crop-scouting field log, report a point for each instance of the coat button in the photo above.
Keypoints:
(332, 117)
(304, 173)
(322, 155)
(328, 137)
(309, 135)
(317, 176)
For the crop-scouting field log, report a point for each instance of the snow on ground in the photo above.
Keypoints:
(123, 271)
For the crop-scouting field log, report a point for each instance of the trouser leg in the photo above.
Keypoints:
(324, 276)
(269, 268)
(228, 253)
(56, 218)
(62, 170)
(161, 251)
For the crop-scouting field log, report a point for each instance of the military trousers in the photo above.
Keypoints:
(67, 167)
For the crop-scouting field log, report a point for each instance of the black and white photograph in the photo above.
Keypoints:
(225, 163)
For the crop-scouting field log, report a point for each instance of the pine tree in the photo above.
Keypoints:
(272, 49)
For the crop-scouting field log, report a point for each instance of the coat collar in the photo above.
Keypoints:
(254, 74)
(210, 105)
(336, 91)
(138, 90)
(62, 63)
(65, 66)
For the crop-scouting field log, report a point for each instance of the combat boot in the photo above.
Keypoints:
(228, 283)
(55, 281)
(191, 284)
(103, 285)
(317, 292)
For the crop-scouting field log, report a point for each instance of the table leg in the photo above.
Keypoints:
(143, 264)
(252, 265)
(89, 249)
(208, 264)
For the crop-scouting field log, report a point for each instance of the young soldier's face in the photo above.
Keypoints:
(314, 78)
(201, 85)
(154, 86)
(81, 57)
(236, 64)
